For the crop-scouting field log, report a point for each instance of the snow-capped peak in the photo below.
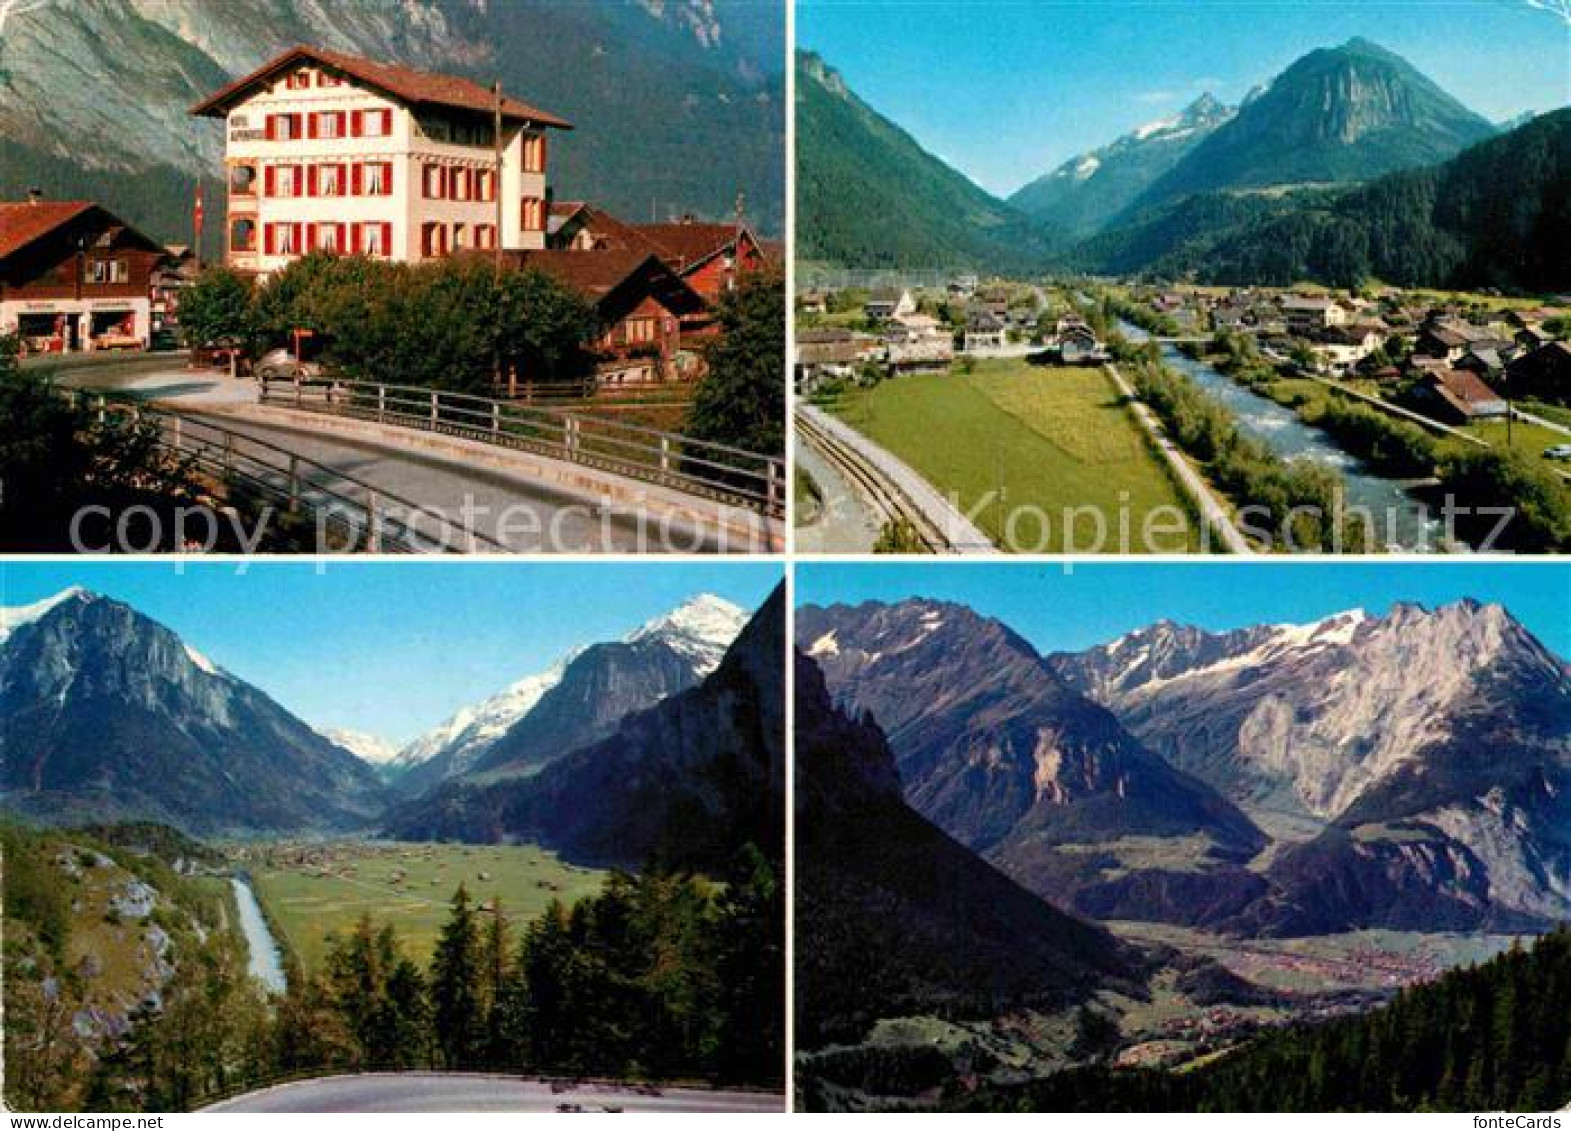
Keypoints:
(367, 747)
(700, 629)
(15, 617)
(472, 730)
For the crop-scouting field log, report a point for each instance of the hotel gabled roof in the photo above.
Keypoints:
(421, 88)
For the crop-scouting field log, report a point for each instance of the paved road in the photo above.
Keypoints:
(419, 1092)
(846, 523)
(507, 511)
(1211, 509)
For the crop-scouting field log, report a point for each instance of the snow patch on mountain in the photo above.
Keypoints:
(370, 748)
(700, 630)
(15, 617)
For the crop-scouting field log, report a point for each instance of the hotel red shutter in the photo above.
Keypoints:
(355, 242)
(357, 123)
(387, 178)
(310, 180)
(270, 179)
(270, 239)
(310, 125)
(272, 127)
(387, 122)
(542, 153)
(387, 239)
(356, 178)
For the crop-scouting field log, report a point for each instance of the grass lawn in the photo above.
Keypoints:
(1055, 439)
(311, 890)
(1530, 439)
(1557, 413)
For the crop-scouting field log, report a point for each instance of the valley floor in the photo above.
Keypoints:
(311, 889)
(1058, 439)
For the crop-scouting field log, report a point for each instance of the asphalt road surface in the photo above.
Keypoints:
(447, 1092)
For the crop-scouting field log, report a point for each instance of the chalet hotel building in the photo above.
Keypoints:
(330, 152)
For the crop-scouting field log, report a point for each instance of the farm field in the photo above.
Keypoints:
(1057, 439)
(1529, 439)
(310, 890)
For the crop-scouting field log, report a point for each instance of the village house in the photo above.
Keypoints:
(1304, 315)
(830, 351)
(813, 302)
(1459, 396)
(1544, 373)
(331, 152)
(884, 305)
(175, 273)
(73, 276)
(985, 333)
(710, 258)
(1077, 343)
(641, 304)
(1339, 348)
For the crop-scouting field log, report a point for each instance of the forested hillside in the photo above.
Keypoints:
(1495, 1037)
(869, 196)
(1496, 215)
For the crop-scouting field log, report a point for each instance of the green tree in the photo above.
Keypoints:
(218, 307)
(455, 985)
(741, 400)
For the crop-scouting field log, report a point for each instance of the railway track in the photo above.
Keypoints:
(887, 500)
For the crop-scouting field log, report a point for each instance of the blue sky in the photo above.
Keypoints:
(391, 648)
(1007, 91)
(1093, 603)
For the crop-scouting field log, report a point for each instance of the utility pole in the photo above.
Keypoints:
(496, 176)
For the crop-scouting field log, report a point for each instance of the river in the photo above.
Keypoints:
(266, 964)
(1399, 517)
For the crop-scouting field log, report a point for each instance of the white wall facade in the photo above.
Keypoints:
(413, 141)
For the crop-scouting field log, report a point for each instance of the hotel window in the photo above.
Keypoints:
(242, 180)
(486, 180)
(329, 237)
(330, 125)
(460, 236)
(534, 153)
(485, 236)
(284, 127)
(375, 239)
(435, 182)
(300, 80)
(376, 179)
(433, 240)
(459, 184)
(283, 180)
(641, 330)
(282, 239)
(371, 123)
(325, 79)
(533, 214)
(242, 235)
(330, 180)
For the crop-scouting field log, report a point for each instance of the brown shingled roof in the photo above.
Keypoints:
(405, 83)
(689, 242)
(22, 223)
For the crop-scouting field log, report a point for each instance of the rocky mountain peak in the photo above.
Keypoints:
(701, 628)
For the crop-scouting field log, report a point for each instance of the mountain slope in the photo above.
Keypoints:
(454, 745)
(576, 701)
(1432, 751)
(1086, 191)
(373, 750)
(998, 751)
(688, 781)
(1348, 113)
(1497, 215)
(868, 195)
(109, 715)
(680, 106)
(893, 917)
